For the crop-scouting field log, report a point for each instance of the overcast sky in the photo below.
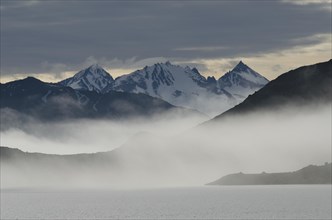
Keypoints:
(54, 39)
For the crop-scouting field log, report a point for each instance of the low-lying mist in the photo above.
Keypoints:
(87, 135)
(168, 151)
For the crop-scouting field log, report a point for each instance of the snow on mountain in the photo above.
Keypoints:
(241, 81)
(180, 86)
(94, 78)
(177, 85)
(161, 79)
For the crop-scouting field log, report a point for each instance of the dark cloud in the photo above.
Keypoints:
(66, 33)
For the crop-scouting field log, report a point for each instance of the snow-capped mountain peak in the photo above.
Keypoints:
(94, 70)
(180, 86)
(241, 67)
(242, 81)
(95, 67)
(159, 79)
(249, 74)
(93, 78)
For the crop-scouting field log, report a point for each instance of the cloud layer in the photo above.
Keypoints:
(58, 37)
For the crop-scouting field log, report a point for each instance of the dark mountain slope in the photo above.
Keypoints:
(306, 85)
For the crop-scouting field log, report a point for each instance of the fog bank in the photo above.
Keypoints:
(168, 153)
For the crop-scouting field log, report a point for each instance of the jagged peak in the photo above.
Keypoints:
(188, 68)
(195, 70)
(212, 78)
(161, 64)
(241, 70)
(241, 67)
(95, 67)
(92, 78)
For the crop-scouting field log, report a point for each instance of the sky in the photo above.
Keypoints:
(54, 39)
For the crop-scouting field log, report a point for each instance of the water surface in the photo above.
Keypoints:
(208, 202)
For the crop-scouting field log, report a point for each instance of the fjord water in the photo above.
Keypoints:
(206, 202)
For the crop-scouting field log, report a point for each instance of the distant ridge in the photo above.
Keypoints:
(308, 175)
(107, 161)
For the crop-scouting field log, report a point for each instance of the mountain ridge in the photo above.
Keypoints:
(308, 175)
(48, 101)
(180, 86)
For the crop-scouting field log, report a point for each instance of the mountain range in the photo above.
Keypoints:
(93, 93)
(180, 86)
(49, 101)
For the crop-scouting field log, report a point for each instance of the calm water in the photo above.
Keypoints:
(232, 202)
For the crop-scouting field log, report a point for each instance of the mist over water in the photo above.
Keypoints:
(169, 151)
(87, 135)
